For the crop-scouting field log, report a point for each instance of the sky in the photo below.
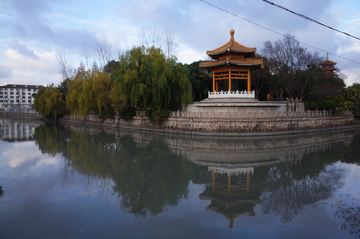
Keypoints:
(34, 33)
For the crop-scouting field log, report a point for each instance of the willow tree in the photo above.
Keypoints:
(48, 102)
(148, 80)
(88, 91)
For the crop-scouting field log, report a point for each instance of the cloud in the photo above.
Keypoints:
(65, 25)
(23, 50)
(24, 69)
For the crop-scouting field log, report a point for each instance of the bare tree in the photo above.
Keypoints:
(171, 45)
(287, 56)
(163, 39)
(65, 68)
(87, 54)
(103, 52)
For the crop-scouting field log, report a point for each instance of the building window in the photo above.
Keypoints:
(29, 101)
(23, 101)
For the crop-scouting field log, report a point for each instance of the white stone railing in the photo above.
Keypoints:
(253, 115)
(231, 94)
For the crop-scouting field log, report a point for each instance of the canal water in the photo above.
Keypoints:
(65, 181)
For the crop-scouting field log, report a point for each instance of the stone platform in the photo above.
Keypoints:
(243, 105)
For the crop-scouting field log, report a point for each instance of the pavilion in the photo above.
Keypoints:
(328, 66)
(231, 66)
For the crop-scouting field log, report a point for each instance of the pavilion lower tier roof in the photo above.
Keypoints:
(229, 61)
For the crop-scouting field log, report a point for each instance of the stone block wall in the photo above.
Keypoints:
(199, 125)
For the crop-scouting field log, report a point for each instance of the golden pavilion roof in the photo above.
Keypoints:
(231, 46)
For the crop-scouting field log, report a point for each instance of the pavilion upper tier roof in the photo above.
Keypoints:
(231, 46)
(327, 62)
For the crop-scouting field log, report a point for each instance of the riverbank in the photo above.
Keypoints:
(211, 127)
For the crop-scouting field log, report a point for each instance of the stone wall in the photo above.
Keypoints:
(256, 125)
(226, 126)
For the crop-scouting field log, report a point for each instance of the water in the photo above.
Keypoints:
(81, 182)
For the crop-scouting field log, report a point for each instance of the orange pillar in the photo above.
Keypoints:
(229, 184)
(229, 79)
(248, 81)
(213, 81)
(247, 182)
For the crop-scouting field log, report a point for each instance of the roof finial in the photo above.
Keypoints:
(327, 56)
(232, 34)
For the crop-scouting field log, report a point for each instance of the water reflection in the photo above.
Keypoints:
(230, 193)
(14, 130)
(147, 177)
(348, 209)
(150, 173)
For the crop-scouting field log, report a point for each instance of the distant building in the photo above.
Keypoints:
(17, 95)
(328, 66)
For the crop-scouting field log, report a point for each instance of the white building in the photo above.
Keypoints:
(17, 95)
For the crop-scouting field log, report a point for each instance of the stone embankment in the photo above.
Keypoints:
(223, 126)
(212, 126)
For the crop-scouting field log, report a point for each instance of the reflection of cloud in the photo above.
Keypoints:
(351, 179)
(20, 153)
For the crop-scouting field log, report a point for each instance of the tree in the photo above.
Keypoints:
(351, 99)
(200, 80)
(260, 78)
(65, 68)
(89, 91)
(162, 39)
(147, 80)
(48, 102)
(286, 57)
(103, 51)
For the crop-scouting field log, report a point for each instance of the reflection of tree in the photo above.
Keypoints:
(146, 177)
(286, 195)
(348, 209)
(150, 178)
(51, 139)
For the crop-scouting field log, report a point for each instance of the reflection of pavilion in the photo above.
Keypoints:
(230, 193)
